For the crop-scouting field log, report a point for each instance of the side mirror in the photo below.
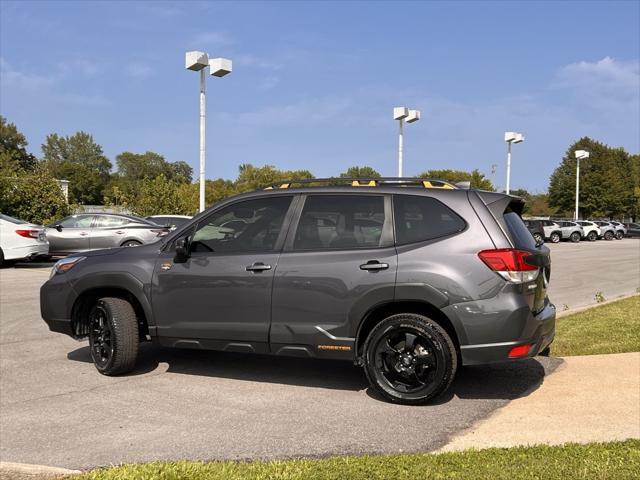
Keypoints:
(58, 227)
(182, 250)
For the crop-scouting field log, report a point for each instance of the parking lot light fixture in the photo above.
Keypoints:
(511, 137)
(218, 67)
(403, 114)
(580, 155)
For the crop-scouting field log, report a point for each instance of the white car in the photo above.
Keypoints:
(621, 230)
(591, 230)
(21, 240)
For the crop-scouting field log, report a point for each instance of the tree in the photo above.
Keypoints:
(33, 196)
(253, 178)
(80, 160)
(606, 182)
(160, 195)
(360, 172)
(477, 179)
(138, 166)
(13, 150)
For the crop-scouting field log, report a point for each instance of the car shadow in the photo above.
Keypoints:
(505, 381)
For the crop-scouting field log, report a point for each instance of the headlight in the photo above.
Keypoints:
(65, 265)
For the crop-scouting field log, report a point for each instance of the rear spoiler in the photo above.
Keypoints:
(499, 202)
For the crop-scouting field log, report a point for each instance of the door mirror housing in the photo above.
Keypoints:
(182, 250)
(58, 227)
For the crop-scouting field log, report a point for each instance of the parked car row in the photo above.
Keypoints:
(558, 230)
(20, 240)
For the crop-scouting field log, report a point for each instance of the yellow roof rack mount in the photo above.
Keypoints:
(369, 182)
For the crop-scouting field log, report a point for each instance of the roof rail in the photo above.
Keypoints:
(366, 182)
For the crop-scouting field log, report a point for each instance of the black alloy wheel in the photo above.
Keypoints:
(409, 359)
(608, 235)
(575, 237)
(101, 336)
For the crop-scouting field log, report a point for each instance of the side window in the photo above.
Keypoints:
(421, 218)
(77, 221)
(110, 221)
(340, 222)
(249, 226)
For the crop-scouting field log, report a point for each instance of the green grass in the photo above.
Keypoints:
(615, 460)
(611, 328)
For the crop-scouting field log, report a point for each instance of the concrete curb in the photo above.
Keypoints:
(571, 311)
(11, 470)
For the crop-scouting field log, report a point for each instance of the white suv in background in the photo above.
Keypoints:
(591, 230)
(21, 240)
(621, 230)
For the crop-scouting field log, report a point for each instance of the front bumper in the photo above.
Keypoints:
(56, 303)
(540, 328)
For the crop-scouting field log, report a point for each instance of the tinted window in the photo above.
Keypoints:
(77, 221)
(520, 236)
(104, 221)
(340, 221)
(252, 225)
(423, 218)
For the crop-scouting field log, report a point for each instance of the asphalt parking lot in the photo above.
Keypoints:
(57, 410)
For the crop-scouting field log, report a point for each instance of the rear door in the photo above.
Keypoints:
(107, 231)
(339, 261)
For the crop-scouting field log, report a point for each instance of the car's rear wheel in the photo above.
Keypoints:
(538, 238)
(409, 359)
(555, 237)
(619, 235)
(575, 237)
(592, 236)
(131, 243)
(113, 335)
(608, 235)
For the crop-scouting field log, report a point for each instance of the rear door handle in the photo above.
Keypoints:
(374, 266)
(258, 267)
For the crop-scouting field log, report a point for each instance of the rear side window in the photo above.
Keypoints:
(421, 218)
(518, 232)
(340, 222)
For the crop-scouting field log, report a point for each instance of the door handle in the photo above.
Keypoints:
(258, 267)
(120, 232)
(374, 266)
(83, 234)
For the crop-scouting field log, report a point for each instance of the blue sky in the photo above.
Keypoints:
(314, 84)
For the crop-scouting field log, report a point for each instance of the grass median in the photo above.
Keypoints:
(611, 328)
(619, 460)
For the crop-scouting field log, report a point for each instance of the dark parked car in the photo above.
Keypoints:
(93, 231)
(536, 229)
(633, 229)
(408, 282)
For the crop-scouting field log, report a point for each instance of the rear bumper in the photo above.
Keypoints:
(542, 326)
(27, 252)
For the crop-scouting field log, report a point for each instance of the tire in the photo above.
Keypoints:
(592, 236)
(5, 263)
(575, 237)
(619, 235)
(538, 238)
(131, 243)
(113, 336)
(608, 235)
(405, 375)
(555, 237)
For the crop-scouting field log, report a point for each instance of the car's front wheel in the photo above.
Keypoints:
(555, 237)
(409, 359)
(538, 238)
(592, 236)
(131, 243)
(113, 335)
(608, 235)
(619, 235)
(575, 237)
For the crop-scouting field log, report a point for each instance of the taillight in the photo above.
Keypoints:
(28, 233)
(520, 351)
(510, 264)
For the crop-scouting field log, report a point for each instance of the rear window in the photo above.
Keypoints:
(419, 218)
(7, 218)
(520, 235)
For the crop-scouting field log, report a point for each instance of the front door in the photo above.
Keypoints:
(73, 235)
(221, 296)
(339, 262)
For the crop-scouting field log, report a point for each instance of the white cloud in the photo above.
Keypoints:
(269, 82)
(10, 77)
(209, 40)
(246, 60)
(138, 70)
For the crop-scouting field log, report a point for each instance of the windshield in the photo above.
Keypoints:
(7, 218)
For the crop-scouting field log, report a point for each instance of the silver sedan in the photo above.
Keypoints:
(91, 231)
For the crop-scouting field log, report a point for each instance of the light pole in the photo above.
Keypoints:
(218, 67)
(511, 137)
(580, 155)
(403, 114)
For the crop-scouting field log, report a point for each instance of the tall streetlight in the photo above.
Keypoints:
(218, 67)
(580, 155)
(511, 137)
(403, 114)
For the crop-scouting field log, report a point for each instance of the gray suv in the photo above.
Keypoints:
(408, 282)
